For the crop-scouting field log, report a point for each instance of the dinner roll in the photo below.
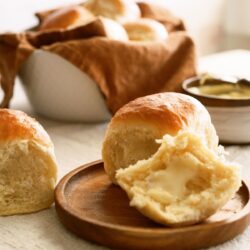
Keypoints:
(145, 29)
(72, 17)
(114, 30)
(133, 130)
(27, 164)
(119, 10)
(183, 183)
(68, 17)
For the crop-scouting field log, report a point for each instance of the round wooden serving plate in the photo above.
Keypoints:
(94, 209)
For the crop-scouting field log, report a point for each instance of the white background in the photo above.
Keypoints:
(212, 22)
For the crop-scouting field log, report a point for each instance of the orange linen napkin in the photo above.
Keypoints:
(122, 70)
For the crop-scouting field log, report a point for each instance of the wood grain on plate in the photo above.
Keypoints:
(89, 205)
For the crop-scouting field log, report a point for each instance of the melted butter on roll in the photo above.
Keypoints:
(183, 183)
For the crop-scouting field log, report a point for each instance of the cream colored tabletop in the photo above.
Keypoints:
(76, 144)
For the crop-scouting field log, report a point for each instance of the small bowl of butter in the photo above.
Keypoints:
(227, 99)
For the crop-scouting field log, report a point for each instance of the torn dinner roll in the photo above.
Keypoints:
(183, 183)
(27, 164)
(134, 128)
(146, 29)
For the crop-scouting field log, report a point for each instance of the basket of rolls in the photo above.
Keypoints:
(83, 62)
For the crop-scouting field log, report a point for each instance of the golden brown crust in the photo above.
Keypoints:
(119, 10)
(145, 29)
(168, 111)
(63, 18)
(16, 125)
(96, 6)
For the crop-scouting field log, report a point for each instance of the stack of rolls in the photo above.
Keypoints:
(122, 20)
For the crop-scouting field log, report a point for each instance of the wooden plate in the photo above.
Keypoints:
(94, 209)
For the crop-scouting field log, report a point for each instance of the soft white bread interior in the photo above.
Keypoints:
(68, 17)
(183, 183)
(27, 164)
(133, 130)
(119, 10)
(145, 29)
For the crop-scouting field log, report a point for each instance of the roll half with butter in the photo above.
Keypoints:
(163, 151)
(183, 183)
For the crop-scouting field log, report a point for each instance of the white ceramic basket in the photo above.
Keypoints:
(59, 90)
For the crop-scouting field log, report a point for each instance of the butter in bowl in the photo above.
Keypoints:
(227, 99)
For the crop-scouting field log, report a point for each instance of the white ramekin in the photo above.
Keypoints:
(230, 117)
(232, 124)
(59, 90)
